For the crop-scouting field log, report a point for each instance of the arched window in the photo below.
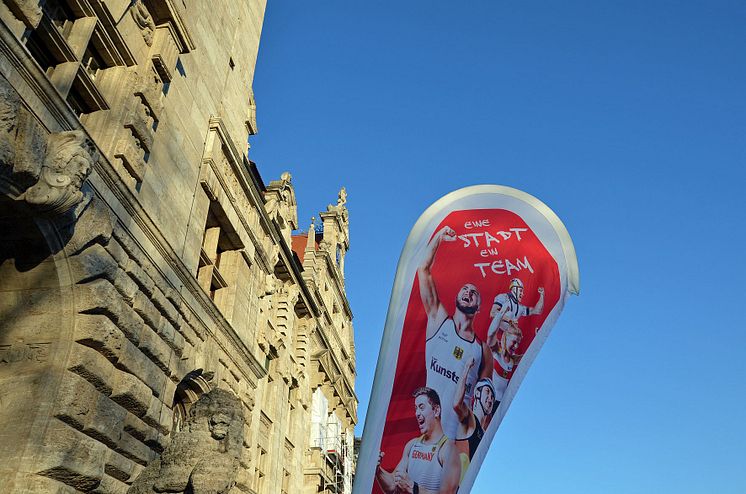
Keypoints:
(188, 391)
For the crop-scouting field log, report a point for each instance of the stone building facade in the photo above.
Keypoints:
(144, 262)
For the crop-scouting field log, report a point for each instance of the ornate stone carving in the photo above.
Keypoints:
(22, 139)
(204, 456)
(144, 21)
(251, 117)
(24, 352)
(70, 156)
(28, 11)
(280, 201)
(9, 103)
(165, 51)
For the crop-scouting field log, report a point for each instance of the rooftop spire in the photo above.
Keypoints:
(311, 241)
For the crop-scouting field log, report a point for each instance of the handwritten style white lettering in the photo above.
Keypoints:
(487, 241)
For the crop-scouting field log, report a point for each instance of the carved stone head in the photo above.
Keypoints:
(70, 157)
(204, 455)
(218, 413)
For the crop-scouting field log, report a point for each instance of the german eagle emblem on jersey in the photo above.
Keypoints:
(458, 352)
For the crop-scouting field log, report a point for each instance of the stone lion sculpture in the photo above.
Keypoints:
(203, 457)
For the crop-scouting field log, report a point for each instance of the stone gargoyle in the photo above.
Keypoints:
(203, 458)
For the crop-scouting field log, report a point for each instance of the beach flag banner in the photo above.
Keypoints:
(482, 278)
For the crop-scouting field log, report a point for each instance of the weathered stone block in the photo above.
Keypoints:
(145, 308)
(128, 243)
(100, 297)
(145, 282)
(100, 333)
(81, 406)
(151, 271)
(136, 471)
(126, 286)
(117, 252)
(171, 337)
(137, 428)
(106, 421)
(174, 297)
(166, 421)
(71, 457)
(95, 225)
(77, 398)
(111, 485)
(132, 360)
(135, 450)
(165, 307)
(155, 348)
(199, 329)
(161, 418)
(131, 393)
(118, 466)
(93, 262)
(33, 483)
(153, 419)
(93, 367)
(169, 391)
(186, 331)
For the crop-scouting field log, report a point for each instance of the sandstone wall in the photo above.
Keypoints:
(123, 162)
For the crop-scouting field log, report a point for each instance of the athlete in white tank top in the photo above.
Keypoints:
(450, 338)
(428, 464)
(424, 464)
(445, 354)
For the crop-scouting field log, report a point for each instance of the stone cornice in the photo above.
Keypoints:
(322, 356)
(168, 10)
(235, 159)
(334, 272)
(250, 187)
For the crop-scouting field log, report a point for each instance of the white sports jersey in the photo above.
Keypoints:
(499, 375)
(514, 309)
(423, 464)
(445, 355)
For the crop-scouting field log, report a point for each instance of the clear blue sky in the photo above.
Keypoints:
(626, 118)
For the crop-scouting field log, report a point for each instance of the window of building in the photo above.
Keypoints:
(77, 103)
(261, 470)
(68, 45)
(285, 482)
(215, 243)
(61, 16)
(92, 62)
(319, 418)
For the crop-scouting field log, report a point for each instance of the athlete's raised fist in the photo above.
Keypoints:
(541, 290)
(448, 234)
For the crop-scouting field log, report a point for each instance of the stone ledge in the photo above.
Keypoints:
(71, 457)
